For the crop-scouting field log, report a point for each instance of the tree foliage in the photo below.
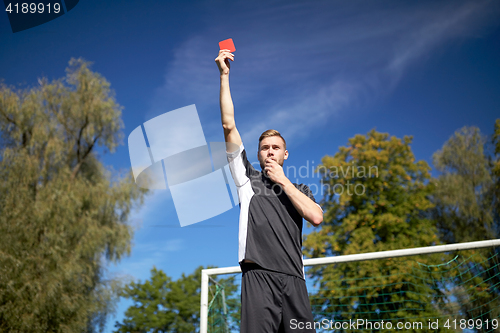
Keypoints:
(462, 198)
(162, 305)
(376, 199)
(466, 209)
(62, 213)
(495, 197)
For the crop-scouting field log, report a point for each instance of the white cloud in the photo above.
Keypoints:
(147, 255)
(160, 248)
(154, 202)
(438, 27)
(297, 64)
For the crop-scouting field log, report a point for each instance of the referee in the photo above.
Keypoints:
(273, 288)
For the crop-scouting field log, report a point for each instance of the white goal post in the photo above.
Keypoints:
(206, 273)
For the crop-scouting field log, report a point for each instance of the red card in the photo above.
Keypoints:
(227, 45)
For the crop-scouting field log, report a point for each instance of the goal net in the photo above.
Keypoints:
(447, 288)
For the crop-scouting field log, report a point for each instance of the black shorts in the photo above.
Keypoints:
(273, 302)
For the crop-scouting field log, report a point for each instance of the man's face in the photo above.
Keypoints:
(272, 147)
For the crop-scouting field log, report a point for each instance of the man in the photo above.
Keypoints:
(273, 291)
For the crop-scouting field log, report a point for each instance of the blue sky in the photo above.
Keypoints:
(320, 72)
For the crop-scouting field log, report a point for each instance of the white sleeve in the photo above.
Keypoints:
(239, 166)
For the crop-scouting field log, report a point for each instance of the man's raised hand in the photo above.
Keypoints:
(222, 61)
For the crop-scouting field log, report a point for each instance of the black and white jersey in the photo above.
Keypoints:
(270, 230)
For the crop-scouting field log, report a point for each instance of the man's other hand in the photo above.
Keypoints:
(275, 172)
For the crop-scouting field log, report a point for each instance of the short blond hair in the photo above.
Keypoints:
(271, 132)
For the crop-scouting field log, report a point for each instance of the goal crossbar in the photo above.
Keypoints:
(206, 273)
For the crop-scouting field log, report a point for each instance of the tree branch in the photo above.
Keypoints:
(80, 162)
(78, 142)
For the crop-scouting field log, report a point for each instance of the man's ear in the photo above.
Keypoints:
(286, 154)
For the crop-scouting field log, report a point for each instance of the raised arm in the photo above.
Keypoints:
(231, 134)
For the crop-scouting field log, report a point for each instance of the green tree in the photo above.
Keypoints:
(376, 199)
(162, 305)
(463, 209)
(496, 178)
(465, 200)
(62, 213)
